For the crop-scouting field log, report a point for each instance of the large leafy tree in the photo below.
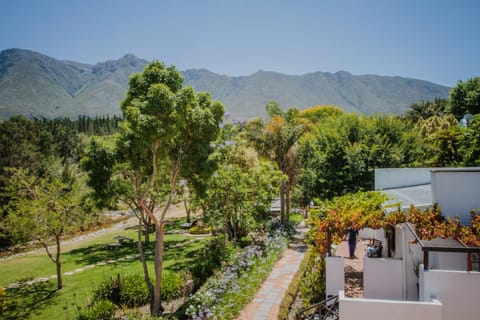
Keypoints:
(340, 155)
(465, 98)
(425, 109)
(167, 131)
(99, 162)
(239, 194)
(442, 138)
(42, 209)
(470, 143)
(278, 141)
(34, 145)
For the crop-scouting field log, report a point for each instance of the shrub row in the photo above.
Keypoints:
(312, 286)
(129, 291)
(100, 309)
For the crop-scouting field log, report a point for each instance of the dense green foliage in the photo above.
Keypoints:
(100, 309)
(465, 98)
(341, 153)
(239, 194)
(44, 150)
(130, 290)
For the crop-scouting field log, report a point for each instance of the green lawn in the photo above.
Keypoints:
(296, 218)
(42, 301)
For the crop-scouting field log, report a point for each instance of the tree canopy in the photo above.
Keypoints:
(167, 132)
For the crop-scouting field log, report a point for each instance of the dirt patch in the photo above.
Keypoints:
(353, 282)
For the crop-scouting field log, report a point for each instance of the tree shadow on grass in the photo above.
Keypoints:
(183, 256)
(101, 253)
(26, 300)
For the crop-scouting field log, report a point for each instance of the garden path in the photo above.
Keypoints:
(266, 303)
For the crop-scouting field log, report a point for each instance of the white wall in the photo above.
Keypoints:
(382, 278)
(371, 309)
(457, 191)
(413, 257)
(335, 274)
(457, 290)
(369, 233)
(401, 177)
(398, 242)
(448, 261)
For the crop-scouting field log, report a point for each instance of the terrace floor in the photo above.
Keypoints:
(353, 268)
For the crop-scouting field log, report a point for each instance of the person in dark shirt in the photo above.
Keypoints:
(351, 236)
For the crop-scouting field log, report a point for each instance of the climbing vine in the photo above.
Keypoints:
(430, 224)
(330, 220)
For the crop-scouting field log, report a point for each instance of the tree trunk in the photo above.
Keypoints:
(187, 210)
(287, 203)
(147, 223)
(144, 262)
(146, 229)
(282, 202)
(157, 297)
(58, 263)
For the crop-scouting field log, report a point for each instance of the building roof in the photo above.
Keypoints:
(420, 196)
(443, 243)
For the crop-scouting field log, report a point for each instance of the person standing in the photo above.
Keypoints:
(352, 235)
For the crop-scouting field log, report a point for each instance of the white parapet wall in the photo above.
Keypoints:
(401, 177)
(382, 278)
(375, 309)
(457, 290)
(448, 261)
(457, 191)
(335, 275)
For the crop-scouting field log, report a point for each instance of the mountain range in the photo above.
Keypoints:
(35, 84)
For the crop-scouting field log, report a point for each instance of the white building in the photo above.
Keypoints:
(415, 279)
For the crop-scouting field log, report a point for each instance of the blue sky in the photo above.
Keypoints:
(433, 40)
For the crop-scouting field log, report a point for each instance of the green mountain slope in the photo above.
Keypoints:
(35, 84)
(247, 96)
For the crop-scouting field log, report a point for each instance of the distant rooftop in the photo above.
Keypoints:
(420, 196)
(443, 243)
(454, 189)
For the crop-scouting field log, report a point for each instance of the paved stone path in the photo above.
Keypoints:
(266, 303)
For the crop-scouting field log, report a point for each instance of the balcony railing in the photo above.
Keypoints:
(325, 310)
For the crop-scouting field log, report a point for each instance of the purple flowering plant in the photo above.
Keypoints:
(225, 293)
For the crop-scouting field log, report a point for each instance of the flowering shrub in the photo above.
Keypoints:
(225, 293)
(200, 230)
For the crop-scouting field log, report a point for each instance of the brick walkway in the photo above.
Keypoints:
(266, 303)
